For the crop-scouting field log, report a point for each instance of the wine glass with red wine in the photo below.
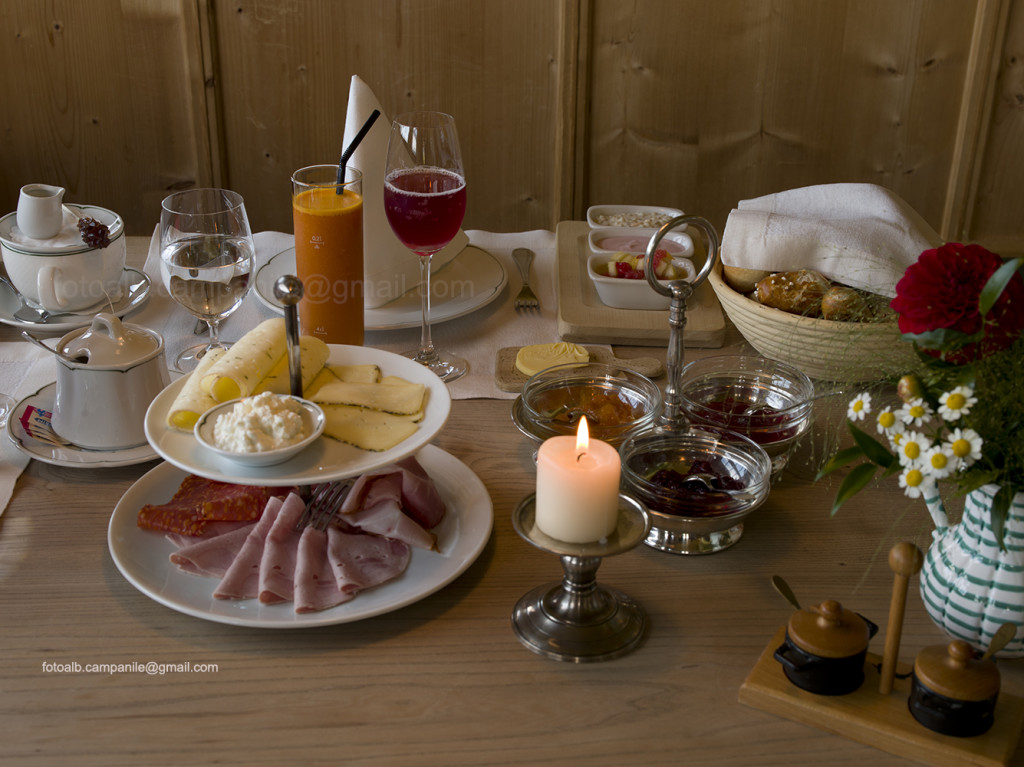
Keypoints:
(425, 201)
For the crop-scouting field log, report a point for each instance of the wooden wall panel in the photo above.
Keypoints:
(701, 105)
(104, 98)
(997, 215)
(560, 103)
(285, 72)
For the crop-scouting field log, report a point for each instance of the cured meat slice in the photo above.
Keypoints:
(242, 578)
(387, 518)
(315, 586)
(420, 498)
(211, 529)
(280, 553)
(415, 492)
(211, 556)
(361, 561)
(198, 501)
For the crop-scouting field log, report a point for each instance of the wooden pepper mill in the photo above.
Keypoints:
(905, 560)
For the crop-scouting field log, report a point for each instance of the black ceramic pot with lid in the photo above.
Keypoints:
(825, 648)
(954, 691)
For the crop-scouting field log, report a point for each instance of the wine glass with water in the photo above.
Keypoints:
(207, 251)
(425, 201)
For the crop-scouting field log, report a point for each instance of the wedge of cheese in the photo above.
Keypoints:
(398, 397)
(191, 401)
(313, 355)
(249, 360)
(367, 429)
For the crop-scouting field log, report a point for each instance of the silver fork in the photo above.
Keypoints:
(526, 299)
(324, 503)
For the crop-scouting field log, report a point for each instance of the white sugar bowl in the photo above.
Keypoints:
(114, 372)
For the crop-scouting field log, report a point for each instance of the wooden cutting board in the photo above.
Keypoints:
(508, 378)
(583, 318)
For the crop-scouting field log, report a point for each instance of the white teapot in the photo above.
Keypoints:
(114, 372)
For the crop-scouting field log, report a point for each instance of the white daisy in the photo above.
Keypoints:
(939, 462)
(956, 403)
(887, 422)
(860, 406)
(965, 446)
(915, 412)
(912, 446)
(915, 482)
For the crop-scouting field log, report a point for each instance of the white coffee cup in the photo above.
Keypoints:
(40, 215)
(64, 274)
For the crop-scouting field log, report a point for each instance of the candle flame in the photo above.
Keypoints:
(582, 435)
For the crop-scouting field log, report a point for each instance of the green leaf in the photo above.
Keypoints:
(852, 484)
(1000, 511)
(839, 460)
(997, 283)
(874, 450)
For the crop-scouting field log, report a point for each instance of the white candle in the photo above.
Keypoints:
(577, 488)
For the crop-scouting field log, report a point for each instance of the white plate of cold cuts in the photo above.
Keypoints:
(143, 556)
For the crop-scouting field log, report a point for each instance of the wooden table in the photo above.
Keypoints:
(443, 681)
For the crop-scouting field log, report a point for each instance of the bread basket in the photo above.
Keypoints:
(844, 352)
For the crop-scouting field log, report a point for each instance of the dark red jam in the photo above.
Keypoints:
(764, 424)
(695, 499)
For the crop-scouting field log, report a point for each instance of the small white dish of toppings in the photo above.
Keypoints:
(611, 240)
(641, 216)
(262, 430)
(630, 290)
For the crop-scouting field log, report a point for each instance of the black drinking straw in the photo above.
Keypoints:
(352, 147)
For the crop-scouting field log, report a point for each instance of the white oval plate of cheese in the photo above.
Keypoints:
(326, 459)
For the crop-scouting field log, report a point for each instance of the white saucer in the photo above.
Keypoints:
(71, 457)
(468, 282)
(135, 288)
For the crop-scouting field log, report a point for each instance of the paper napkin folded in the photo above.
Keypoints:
(389, 268)
(861, 235)
(24, 370)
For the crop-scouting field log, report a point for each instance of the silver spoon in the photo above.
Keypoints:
(29, 337)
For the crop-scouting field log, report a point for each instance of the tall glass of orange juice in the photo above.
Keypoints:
(328, 219)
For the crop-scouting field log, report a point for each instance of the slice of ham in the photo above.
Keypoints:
(212, 556)
(417, 494)
(361, 561)
(210, 530)
(381, 512)
(315, 586)
(277, 565)
(242, 579)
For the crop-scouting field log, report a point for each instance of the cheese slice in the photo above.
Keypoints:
(530, 360)
(367, 373)
(191, 401)
(247, 362)
(366, 429)
(399, 397)
(313, 354)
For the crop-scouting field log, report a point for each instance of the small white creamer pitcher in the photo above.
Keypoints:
(40, 215)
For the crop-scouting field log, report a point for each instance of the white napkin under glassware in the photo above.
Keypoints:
(861, 235)
(389, 268)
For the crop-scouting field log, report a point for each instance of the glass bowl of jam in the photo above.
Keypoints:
(698, 485)
(766, 400)
(616, 402)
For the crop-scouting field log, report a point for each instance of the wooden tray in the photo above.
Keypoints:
(584, 319)
(882, 721)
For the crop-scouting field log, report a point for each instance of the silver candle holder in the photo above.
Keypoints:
(578, 620)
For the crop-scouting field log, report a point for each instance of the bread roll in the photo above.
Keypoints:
(845, 305)
(798, 292)
(743, 280)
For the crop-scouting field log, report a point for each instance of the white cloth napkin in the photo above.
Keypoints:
(861, 235)
(476, 336)
(387, 268)
(24, 370)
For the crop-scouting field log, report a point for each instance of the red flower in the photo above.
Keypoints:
(941, 291)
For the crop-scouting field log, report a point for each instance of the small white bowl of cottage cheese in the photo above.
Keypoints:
(261, 430)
